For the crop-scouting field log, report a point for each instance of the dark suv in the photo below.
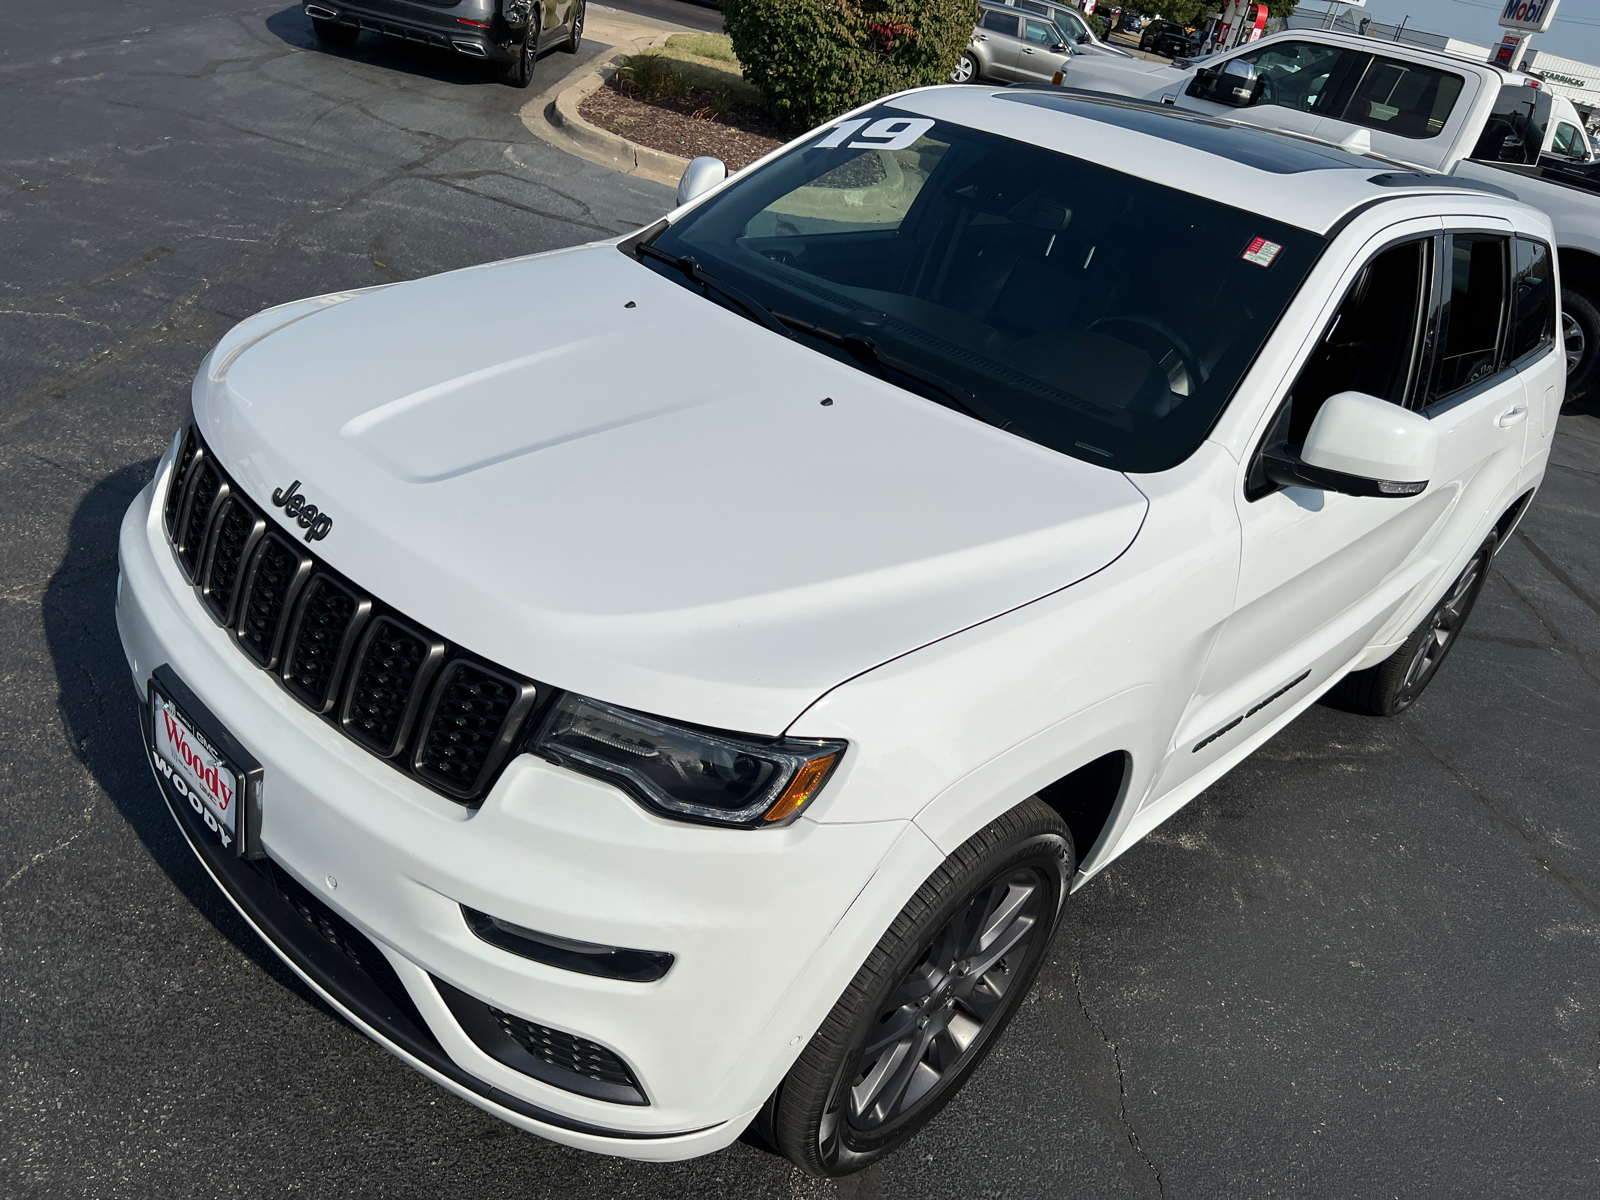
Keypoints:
(507, 33)
(1170, 39)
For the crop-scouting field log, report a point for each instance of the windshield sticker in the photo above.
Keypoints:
(891, 133)
(1261, 252)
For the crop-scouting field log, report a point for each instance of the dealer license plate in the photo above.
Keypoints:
(195, 769)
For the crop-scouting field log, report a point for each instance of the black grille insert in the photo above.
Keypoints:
(202, 495)
(180, 471)
(431, 709)
(469, 723)
(329, 617)
(237, 527)
(391, 674)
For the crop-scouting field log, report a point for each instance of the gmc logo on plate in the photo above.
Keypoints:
(316, 524)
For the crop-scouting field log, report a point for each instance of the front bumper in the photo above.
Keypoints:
(746, 913)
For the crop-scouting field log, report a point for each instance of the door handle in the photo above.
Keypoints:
(1512, 415)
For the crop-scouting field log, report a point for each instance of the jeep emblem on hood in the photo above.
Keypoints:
(316, 524)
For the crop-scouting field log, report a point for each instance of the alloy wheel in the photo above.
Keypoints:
(931, 1024)
(1573, 341)
(1443, 627)
(963, 71)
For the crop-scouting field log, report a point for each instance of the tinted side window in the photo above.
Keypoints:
(1372, 345)
(1372, 342)
(1515, 129)
(1475, 276)
(1404, 98)
(1000, 23)
(1567, 141)
(1290, 75)
(1533, 299)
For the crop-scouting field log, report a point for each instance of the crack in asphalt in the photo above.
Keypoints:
(1129, 1127)
(1561, 575)
(1559, 641)
(1536, 849)
(180, 324)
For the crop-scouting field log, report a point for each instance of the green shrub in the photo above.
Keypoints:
(814, 59)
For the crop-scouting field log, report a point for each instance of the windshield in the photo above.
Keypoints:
(1095, 313)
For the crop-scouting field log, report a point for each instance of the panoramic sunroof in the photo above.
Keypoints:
(1258, 148)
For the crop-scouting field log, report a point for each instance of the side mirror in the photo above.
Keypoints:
(1062, 48)
(1238, 82)
(1360, 446)
(700, 176)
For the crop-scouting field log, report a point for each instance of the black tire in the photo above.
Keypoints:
(575, 31)
(331, 33)
(518, 73)
(911, 1028)
(965, 70)
(1580, 334)
(1394, 684)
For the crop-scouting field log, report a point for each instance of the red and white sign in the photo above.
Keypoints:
(1261, 252)
(194, 770)
(1088, 6)
(1261, 22)
(1506, 52)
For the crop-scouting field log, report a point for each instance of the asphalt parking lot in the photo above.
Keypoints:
(1367, 963)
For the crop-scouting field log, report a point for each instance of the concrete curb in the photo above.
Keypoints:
(553, 117)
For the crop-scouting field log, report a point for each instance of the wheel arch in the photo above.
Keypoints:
(1093, 768)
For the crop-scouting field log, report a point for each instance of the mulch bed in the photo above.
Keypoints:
(684, 125)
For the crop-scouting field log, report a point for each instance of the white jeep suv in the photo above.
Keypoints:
(671, 686)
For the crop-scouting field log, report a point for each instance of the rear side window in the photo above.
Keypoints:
(1000, 23)
(1404, 98)
(1515, 129)
(1533, 299)
(1475, 279)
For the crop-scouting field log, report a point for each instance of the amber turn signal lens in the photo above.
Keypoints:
(805, 784)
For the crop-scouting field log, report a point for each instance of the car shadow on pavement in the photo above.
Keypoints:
(292, 27)
(100, 708)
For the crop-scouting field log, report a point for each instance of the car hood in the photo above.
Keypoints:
(585, 472)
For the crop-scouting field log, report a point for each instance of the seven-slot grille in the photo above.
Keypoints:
(406, 695)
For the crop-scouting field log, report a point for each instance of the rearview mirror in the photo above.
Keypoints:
(700, 176)
(1359, 445)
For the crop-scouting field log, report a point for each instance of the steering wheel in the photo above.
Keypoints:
(1187, 377)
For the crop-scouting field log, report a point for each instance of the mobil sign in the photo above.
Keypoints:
(1532, 15)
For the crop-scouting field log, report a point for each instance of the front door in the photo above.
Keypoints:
(1320, 572)
(1038, 60)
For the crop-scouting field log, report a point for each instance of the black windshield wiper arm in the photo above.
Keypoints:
(693, 272)
(864, 349)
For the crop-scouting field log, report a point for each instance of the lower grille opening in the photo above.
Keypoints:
(343, 937)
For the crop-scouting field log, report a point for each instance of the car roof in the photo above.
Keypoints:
(1296, 180)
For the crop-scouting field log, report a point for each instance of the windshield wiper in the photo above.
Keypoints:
(865, 350)
(693, 272)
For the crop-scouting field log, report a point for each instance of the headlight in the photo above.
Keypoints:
(687, 772)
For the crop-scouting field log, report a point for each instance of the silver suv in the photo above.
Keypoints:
(1027, 43)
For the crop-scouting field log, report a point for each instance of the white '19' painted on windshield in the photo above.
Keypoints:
(891, 133)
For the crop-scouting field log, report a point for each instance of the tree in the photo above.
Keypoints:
(814, 59)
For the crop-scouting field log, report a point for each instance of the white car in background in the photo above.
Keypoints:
(672, 685)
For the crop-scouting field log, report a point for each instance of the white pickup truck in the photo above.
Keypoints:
(1411, 106)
